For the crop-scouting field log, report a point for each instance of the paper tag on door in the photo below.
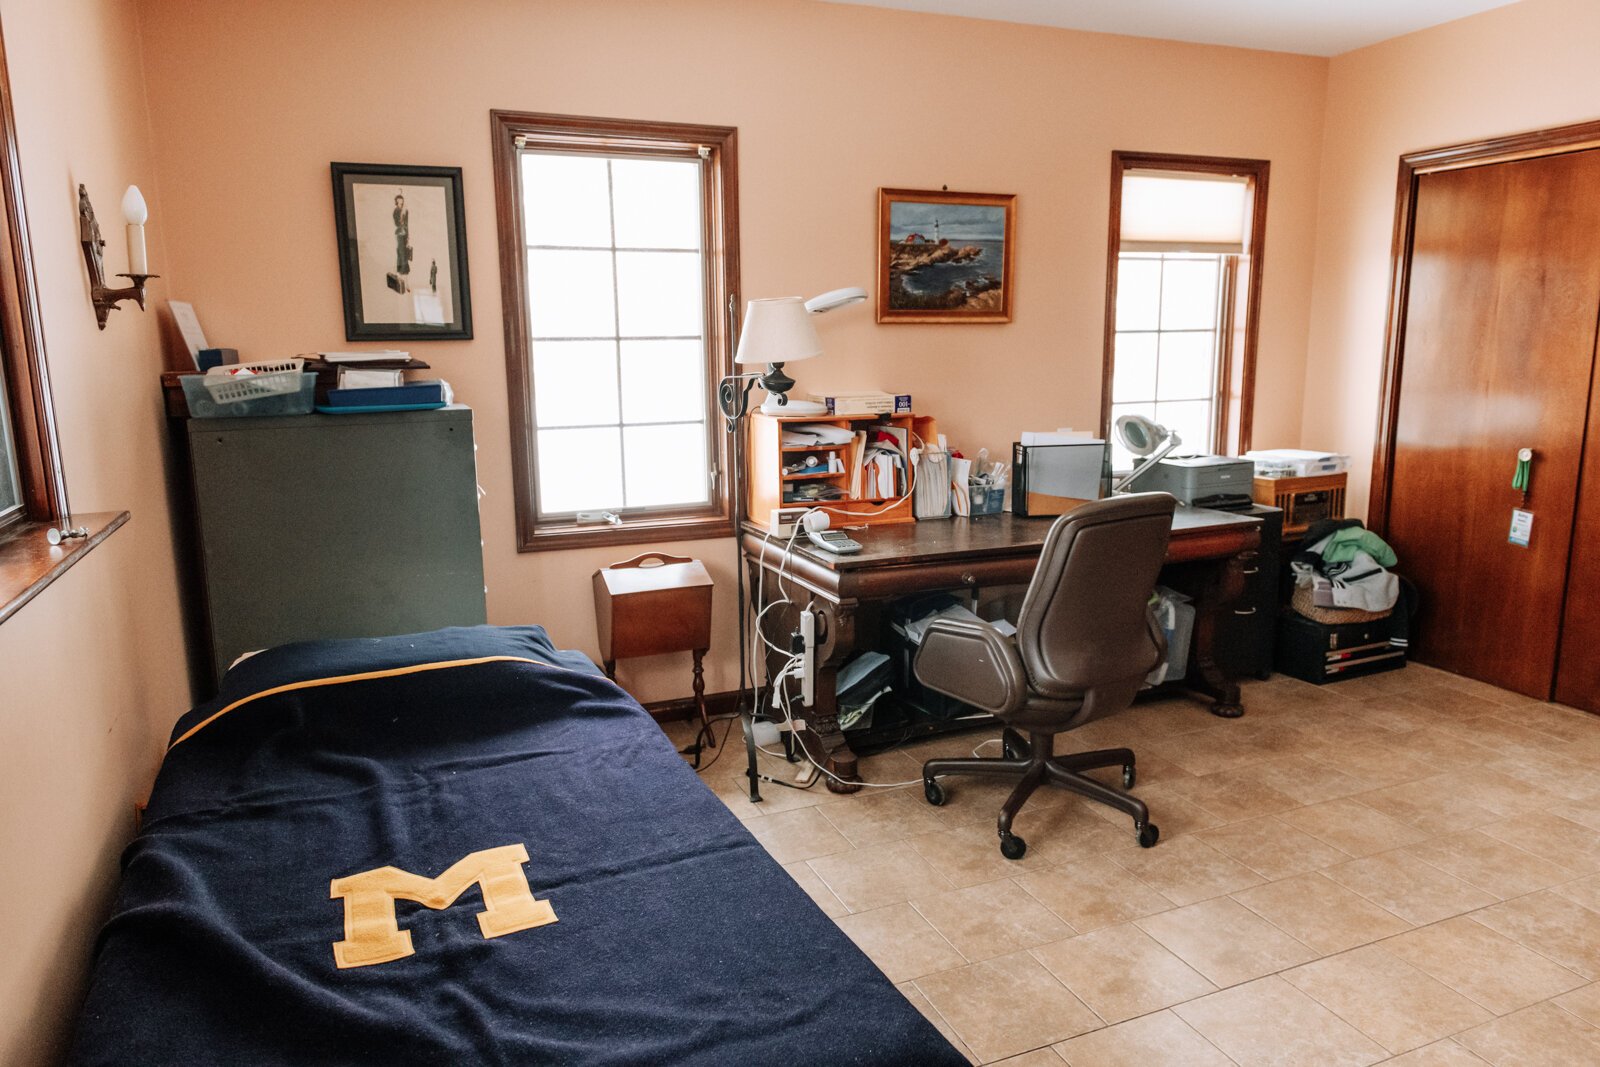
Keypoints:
(1521, 527)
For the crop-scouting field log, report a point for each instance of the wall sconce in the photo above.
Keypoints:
(106, 299)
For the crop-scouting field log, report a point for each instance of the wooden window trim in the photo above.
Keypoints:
(1533, 144)
(1234, 406)
(721, 212)
(22, 355)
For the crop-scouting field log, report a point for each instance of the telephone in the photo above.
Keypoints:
(835, 541)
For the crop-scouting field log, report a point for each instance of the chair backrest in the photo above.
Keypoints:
(1084, 621)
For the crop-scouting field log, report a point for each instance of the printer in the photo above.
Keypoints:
(1201, 481)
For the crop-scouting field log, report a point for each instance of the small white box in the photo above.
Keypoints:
(1297, 462)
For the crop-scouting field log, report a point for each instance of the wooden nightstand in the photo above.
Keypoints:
(645, 608)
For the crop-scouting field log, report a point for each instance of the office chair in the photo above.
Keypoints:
(1085, 640)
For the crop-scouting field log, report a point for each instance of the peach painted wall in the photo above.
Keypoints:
(1527, 66)
(93, 668)
(249, 102)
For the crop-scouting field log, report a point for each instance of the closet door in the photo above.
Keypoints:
(1578, 669)
(1498, 347)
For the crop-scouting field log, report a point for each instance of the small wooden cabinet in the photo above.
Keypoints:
(771, 483)
(653, 604)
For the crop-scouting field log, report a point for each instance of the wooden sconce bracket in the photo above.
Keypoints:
(105, 299)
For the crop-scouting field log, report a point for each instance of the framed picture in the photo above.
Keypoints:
(944, 257)
(402, 252)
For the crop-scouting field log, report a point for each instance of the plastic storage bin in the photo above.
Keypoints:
(202, 405)
(1297, 463)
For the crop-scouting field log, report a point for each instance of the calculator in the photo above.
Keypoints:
(834, 541)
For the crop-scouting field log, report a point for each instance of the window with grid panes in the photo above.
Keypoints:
(1185, 257)
(10, 481)
(624, 249)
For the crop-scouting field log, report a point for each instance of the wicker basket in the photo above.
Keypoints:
(1302, 603)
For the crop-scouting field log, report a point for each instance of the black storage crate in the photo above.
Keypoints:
(1320, 652)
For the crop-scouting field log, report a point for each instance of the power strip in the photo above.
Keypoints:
(783, 521)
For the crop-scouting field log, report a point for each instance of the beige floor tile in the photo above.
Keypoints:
(1208, 751)
(910, 991)
(1551, 925)
(1006, 1006)
(1568, 724)
(1093, 892)
(819, 893)
(1585, 891)
(877, 875)
(1569, 778)
(736, 795)
(1485, 966)
(1272, 848)
(1498, 792)
(1159, 1038)
(1322, 913)
(970, 855)
(1352, 827)
(1121, 972)
(1416, 891)
(1225, 941)
(1540, 1036)
(1549, 836)
(802, 834)
(993, 919)
(1507, 738)
(900, 942)
(1428, 805)
(1039, 1057)
(1381, 762)
(1491, 864)
(1269, 1021)
(1446, 750)
(1444, 1053)
(1187, 870)
(1585, 811)
(1386, 998)
(1396, 712)
(870, 819)
(1306, 781)
(1232, 795)
(1584, 1003)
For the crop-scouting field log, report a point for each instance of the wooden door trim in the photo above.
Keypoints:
(1532, 144)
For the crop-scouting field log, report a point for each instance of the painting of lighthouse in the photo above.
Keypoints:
(944, 257)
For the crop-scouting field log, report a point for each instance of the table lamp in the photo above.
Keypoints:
(776, 331)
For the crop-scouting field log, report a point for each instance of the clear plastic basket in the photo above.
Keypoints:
(202, 406)
(266, 379)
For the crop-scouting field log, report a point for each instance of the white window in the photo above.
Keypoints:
(1185, 263)
(624, 249)
(10, 483)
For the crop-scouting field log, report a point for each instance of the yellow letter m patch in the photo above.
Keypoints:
(372, 934)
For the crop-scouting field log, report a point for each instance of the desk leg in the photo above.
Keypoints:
(1222, 588)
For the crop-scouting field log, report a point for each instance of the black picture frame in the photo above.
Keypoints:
(388, 219)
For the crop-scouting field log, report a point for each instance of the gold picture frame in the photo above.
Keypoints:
(945, 257)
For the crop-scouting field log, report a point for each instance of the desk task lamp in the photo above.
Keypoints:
(1145, 438)
(778, 331)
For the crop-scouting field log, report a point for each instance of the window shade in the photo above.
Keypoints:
(1171, 212)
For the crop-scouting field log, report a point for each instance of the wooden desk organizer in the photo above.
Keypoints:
(768, 457)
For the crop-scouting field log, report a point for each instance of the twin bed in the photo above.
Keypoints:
(462, 847)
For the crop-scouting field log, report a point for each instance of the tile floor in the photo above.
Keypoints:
(1403, 868)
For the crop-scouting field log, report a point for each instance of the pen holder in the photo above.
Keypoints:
(986, 499)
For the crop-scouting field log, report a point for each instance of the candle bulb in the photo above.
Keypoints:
(137, 214)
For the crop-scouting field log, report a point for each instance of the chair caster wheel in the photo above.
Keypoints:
(1149, 833)
(933, 791)
(1012, 847)
(1129, 776)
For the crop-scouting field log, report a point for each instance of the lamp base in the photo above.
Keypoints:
(771, 406)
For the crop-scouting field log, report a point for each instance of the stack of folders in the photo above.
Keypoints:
(884, 462)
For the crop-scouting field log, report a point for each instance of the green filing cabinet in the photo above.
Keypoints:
(313, 526)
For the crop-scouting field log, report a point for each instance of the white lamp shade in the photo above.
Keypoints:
(1171, 212)
(777, 330)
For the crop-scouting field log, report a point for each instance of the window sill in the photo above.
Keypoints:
(28, 562)
(636, 532)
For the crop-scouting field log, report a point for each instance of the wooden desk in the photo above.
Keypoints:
(898, 561)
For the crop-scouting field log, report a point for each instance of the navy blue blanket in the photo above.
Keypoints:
(331, 871)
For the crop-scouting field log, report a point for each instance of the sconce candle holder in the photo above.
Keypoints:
(105, 298)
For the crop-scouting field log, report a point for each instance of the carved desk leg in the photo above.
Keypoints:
(822, 737)
(1222, 588)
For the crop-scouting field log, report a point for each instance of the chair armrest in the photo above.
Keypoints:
(973, 662)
